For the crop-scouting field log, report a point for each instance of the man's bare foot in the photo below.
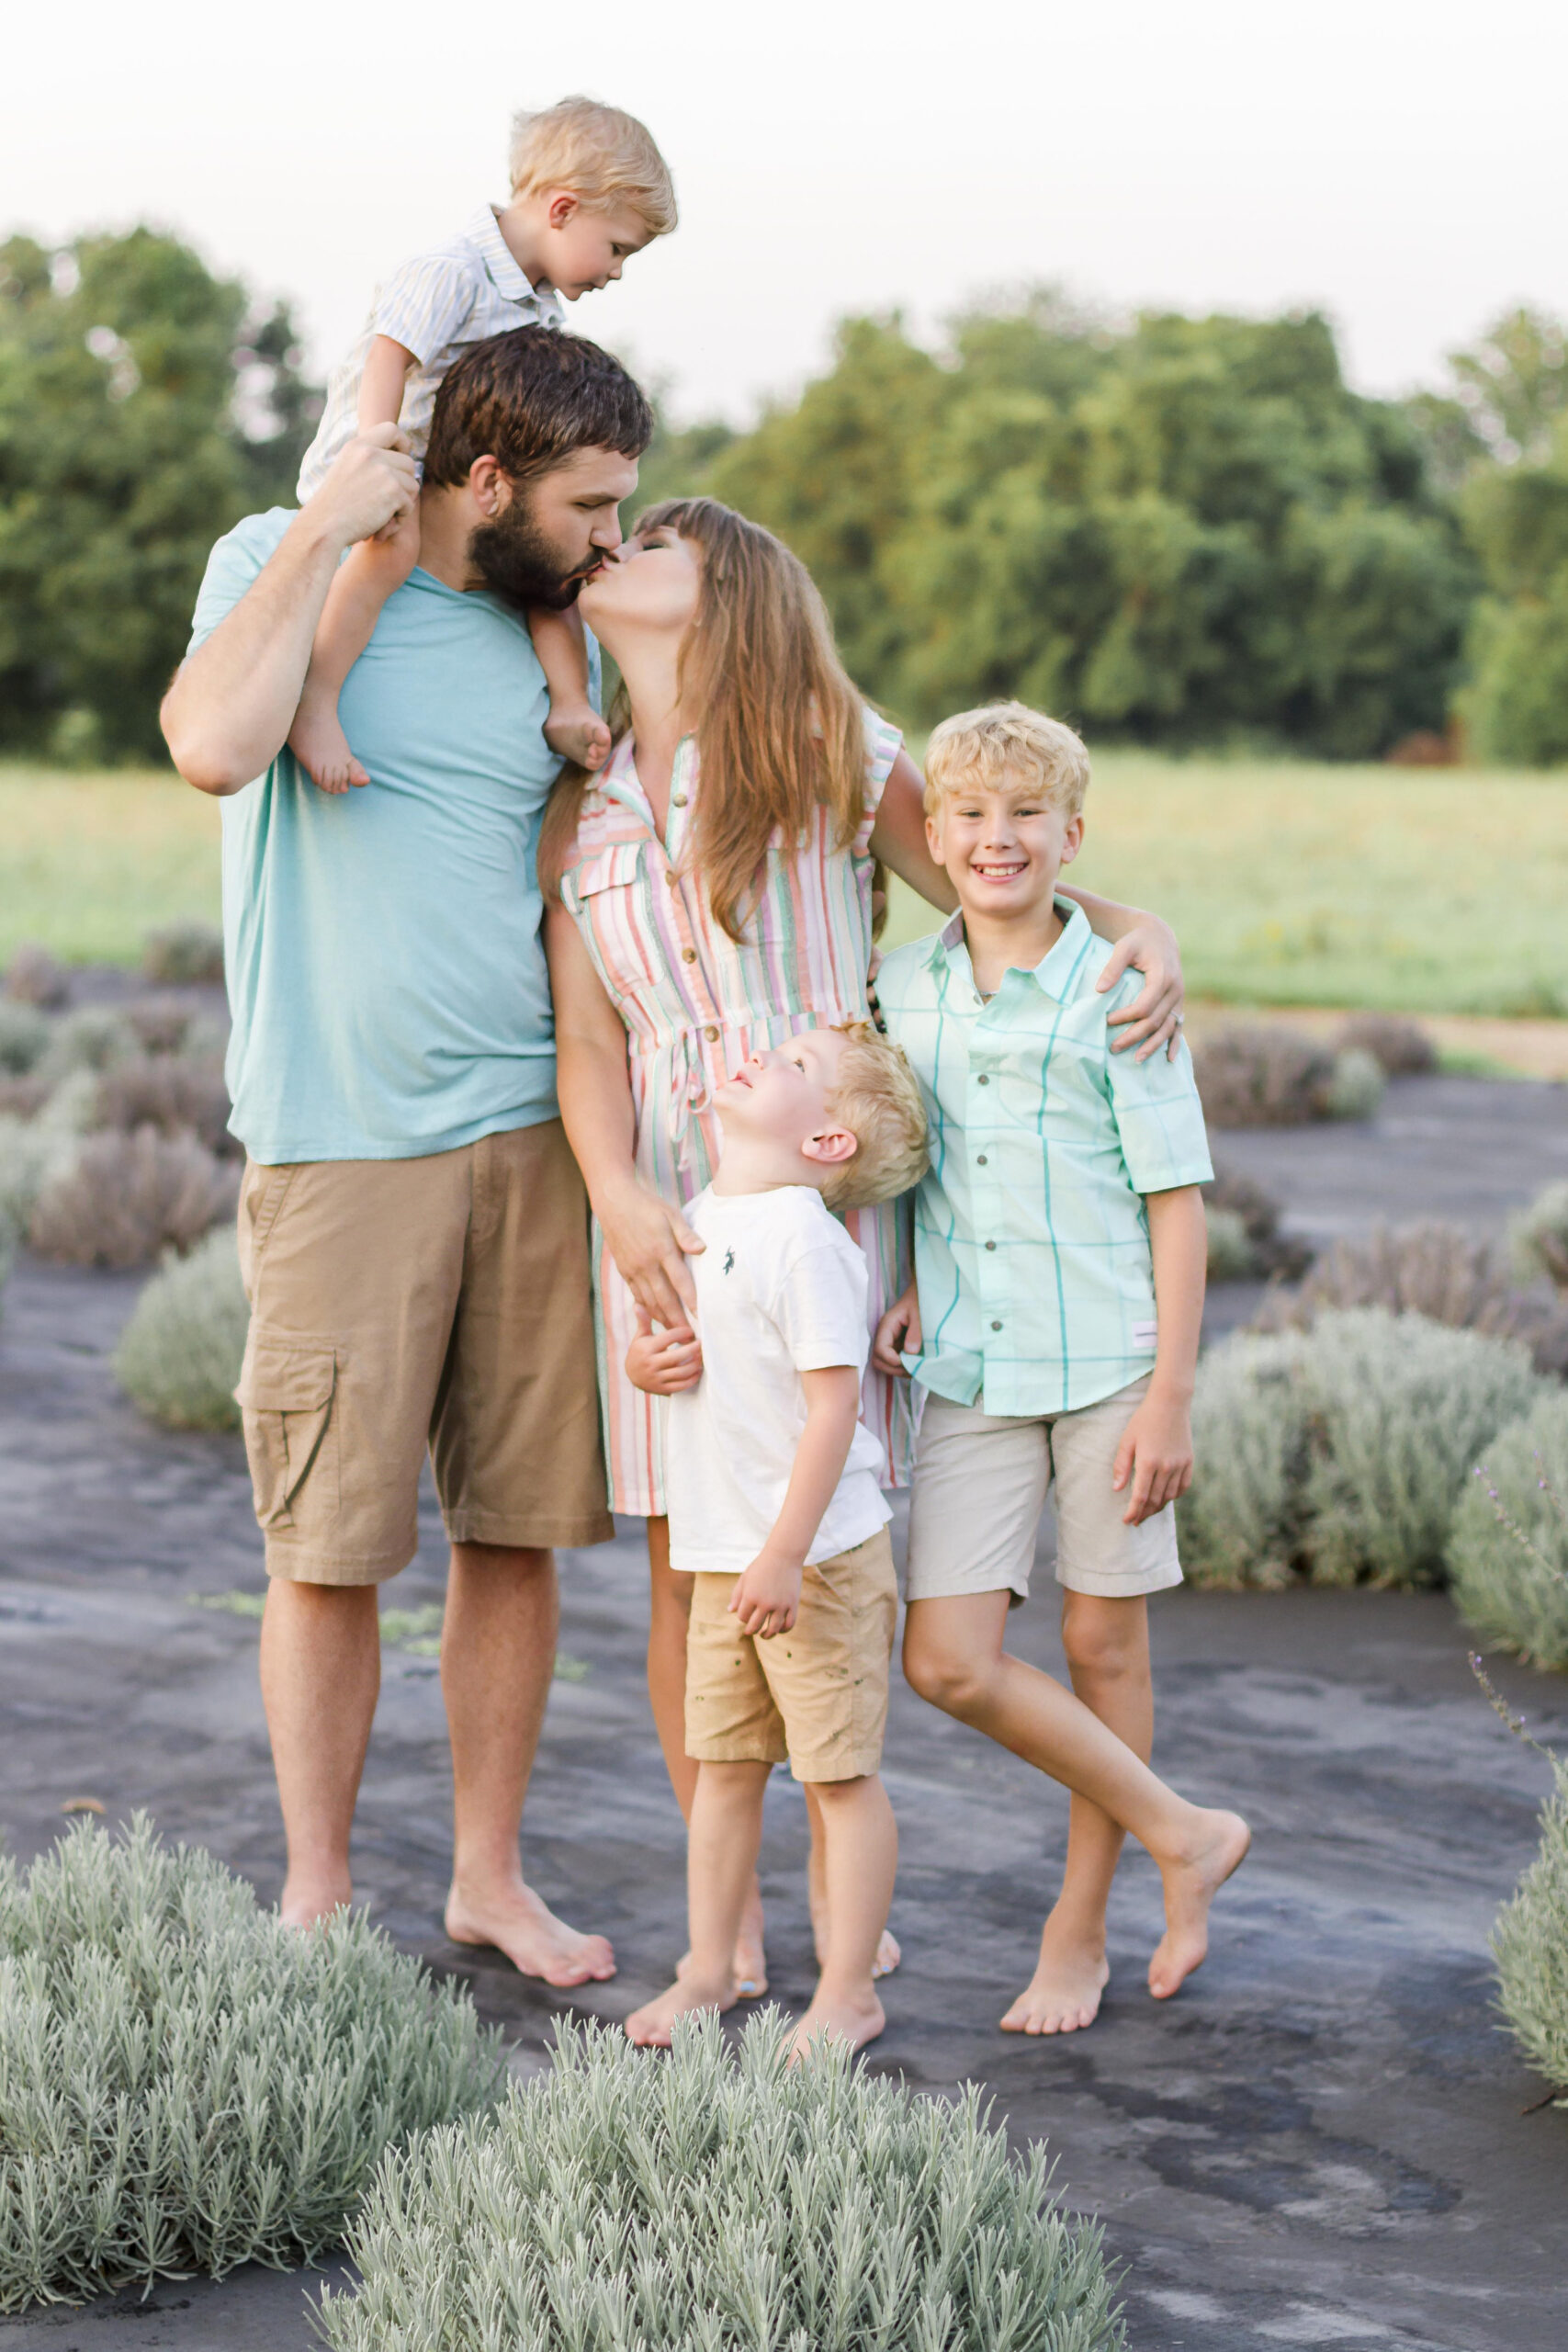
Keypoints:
(536, 1943)
(650, 2027)
(856, 2021)
(578, 733)
(310, 1903)
(320, 745)
(1063, 1994)
(1191, 1883)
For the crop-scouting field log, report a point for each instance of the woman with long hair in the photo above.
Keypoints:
(709, 891)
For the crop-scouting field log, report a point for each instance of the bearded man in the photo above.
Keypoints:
(412, 1226)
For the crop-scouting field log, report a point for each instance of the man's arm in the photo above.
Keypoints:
(228, 713)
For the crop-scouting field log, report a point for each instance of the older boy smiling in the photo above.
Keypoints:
(1054, 1322)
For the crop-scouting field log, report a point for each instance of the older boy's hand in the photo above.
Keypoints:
(767, 1595)
(899, 1328)
(1156, 1454)
(662, 1364)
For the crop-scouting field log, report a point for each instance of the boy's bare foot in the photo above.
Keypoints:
(1191, 1883)
(750, 1965)
(650, 2027)
(536, 1943)
(308, 1903)
(889, 1952)
(320, 745)
(856, 2021)
(578, 733)
(1063, 1994)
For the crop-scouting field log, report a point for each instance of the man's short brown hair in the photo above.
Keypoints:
(531, 399)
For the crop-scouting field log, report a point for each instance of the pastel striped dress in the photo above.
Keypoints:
(696, 1002)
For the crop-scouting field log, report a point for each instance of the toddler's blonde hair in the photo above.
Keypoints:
(877, 1097)
(604, 156)
(979, 747)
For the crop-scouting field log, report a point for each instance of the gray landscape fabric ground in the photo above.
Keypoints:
(1321, 2142)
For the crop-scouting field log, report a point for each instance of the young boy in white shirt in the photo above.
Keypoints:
(589, 190)
(1054, 1325)
(776, 1511)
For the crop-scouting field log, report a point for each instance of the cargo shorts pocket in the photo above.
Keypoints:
(285, 1392)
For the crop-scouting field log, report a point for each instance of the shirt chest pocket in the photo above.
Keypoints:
(608, 896)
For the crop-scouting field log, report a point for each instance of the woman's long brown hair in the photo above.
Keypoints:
(780, 728)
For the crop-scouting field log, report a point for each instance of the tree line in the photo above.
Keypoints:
(1172, 530)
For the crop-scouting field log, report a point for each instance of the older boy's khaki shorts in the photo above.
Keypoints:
(981, 1480)
(398, 1304)
(817, 1694)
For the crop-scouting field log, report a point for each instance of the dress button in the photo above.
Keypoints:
(984, 1081)
(670, 878)
(677, 799)
(711, 1035)
(990, 1245)
(996, 1327)
(688, 954)
(979, 1159)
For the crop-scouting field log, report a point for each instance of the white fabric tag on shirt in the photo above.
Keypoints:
(1145, 1335)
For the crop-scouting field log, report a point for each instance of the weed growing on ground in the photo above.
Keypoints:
(124, 1199)
(1510, 1551)
(1273, 1252)
(1538, 1238)
(1231, 1257)
(34, 977)
(716, 2200)
(171, 1092)
(1342, 1450)
(1530, 1943)
(24, 1037)
(187, 2084)
(179, 1354)
(1433, 1270)
(184, 954)
(1263, 1077)
(1401, 1048)
(1357, 1087)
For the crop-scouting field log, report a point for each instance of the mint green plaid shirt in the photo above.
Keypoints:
(1032, 1242)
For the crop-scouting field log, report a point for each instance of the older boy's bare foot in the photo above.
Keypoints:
(1063, 1994)
(578, 733)
(1191, 1882)
(856, 2020)
(513, 1920)
(310, 1903)
(320, 745)
(651, 2026)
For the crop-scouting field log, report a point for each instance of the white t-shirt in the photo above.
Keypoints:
(781, 1290)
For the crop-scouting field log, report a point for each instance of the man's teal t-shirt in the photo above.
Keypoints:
(386, 972)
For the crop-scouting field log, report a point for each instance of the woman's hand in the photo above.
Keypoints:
(899, 1327)
(650, 1242)
(663, 1363)
(1155, 1017)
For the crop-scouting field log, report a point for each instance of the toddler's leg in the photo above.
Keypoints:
(1107, 1646)
(574, 727)
(365, 580)
(953, 1656)
(721, 1861)
(859, 1860)
(889, 1954)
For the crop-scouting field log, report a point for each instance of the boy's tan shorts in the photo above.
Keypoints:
(398, 1304)
(817, 1694)
(981, 1480)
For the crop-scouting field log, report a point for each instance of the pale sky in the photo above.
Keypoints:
(1398, 163)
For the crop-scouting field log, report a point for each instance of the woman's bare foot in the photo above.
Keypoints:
(650, 2027)
(889, 1954)
(1063, 1994)
(855, 2020)
(310, 1903)
(578, 733)
(516, 1921)
(1191, 1881)
(320, 745)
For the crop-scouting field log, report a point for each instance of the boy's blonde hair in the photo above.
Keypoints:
(600, 154)
(979, 747)
(877, 1097)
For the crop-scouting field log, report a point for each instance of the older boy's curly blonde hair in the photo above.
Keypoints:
(979, 747)
(877, 1097)
(604, 156)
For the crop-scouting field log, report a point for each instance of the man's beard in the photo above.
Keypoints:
(516, 562)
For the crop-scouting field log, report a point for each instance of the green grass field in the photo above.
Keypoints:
(1421, 891)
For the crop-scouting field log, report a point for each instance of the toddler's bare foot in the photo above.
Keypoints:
(1063, 1994)
(650, 2027)
(320, 745)
(513, 1920)
(1191, 1881)
(855, 2019)
(310, 1903)
(888, 1950)
(750, 1965)
(578, 733)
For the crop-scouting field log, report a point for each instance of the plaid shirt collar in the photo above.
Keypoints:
(1056, 971)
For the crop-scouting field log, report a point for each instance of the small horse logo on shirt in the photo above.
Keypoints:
(729, 1260)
